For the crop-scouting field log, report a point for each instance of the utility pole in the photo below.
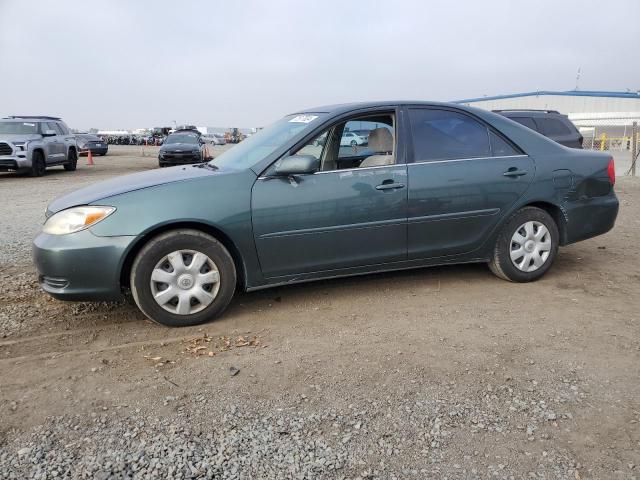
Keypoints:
(634, 147)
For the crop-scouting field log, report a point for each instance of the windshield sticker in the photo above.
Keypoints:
(303, 118)
(29, 124)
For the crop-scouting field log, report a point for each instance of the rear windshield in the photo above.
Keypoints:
(182, 138)
(19, 128)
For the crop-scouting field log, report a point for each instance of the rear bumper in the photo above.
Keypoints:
(80, 266)
(590, 218)
(95, 151)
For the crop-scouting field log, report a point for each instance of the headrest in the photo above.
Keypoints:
(381, 140)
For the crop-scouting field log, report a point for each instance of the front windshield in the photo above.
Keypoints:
(182, 138)
(19, 128)
(262, 144)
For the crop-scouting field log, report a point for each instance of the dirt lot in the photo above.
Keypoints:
(436, 373)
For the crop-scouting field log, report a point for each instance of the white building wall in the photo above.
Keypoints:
(562, 103)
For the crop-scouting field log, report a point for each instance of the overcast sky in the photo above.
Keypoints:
(123, 64)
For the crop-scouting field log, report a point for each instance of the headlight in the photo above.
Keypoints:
(76, 219)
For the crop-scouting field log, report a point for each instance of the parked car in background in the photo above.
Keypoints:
(182, 147)
(31, 144)
(90, 142)
(363, 134)
(454, 185)
(214, 139)
(550, 123)
(352, 139)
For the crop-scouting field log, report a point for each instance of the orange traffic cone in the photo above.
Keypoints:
(89, 158)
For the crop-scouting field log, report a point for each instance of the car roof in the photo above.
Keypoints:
(195, 133)
(20, 118)
(529, 113)
(347, 107)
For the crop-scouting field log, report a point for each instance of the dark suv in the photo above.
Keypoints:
(549, 123)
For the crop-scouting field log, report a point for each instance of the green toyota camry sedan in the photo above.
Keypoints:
(430, 184)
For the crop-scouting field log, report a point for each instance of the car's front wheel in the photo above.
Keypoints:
(38, 165)
(72, 162)
(526, 247)
(183, 277)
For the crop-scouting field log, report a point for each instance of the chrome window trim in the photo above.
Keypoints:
(404, 164)
(465, 159)
(359, 169)
(356, 169)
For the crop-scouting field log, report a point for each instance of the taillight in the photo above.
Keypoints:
(611, 170)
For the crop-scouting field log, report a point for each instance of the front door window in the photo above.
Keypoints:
(357, 143)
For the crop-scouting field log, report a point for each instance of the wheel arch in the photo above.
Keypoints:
(217, 233)
(39, 150)
(556, 213)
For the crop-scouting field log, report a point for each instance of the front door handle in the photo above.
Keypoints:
(514, 172)
(389, 186)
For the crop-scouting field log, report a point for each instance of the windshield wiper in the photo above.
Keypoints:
(206, 165)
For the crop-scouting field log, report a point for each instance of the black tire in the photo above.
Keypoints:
(72, 161)
(354, 143)
(161, 246)
(38, 166)
(502, 265)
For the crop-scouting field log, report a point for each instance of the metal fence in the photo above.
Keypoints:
(617, 133)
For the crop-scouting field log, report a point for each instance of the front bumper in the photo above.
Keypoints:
(179, 158)
(15, 162)
(80, 266)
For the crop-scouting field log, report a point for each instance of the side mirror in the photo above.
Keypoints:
(49, 133)
(297, 165)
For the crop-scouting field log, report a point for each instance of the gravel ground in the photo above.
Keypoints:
(436, 373)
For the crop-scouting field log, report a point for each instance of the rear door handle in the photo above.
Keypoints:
(514, 172)
(389, 186)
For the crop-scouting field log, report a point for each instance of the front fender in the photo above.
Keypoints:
(221, 202)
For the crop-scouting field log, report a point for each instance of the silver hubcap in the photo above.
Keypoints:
(185, 282)
(530, 246)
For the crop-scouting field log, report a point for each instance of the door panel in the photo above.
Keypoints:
(51, 144)
(454, 204)
(330, 220)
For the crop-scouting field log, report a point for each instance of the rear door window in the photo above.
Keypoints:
(445, 134)
(526, 121)
(553, 126)
(500, 147)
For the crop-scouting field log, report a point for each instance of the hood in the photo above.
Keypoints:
(185, 147)
(16, 137)
(129, 183)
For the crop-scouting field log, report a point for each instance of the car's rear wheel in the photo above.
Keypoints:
(38, 166)
(183, 277)
(354, 143)
(526, 247)
(72, 162)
